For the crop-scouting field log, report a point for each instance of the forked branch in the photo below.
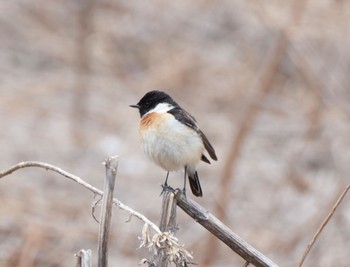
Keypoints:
(49, 167)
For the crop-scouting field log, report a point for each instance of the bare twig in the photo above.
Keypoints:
(222, 232)
(93, 207)
(167, 221)
(323, 225)
(83, 258)
(167, 224)
(168, 217)
(106, 213)
(197, 212)
(165, 246)
(46, 166)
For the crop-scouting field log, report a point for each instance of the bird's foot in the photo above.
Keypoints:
(179, 191)
(184, 192)
(166, 187)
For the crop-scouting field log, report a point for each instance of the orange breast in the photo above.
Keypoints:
(152, 121)
(149, 119)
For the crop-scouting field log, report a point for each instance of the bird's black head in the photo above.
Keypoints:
(151, 100)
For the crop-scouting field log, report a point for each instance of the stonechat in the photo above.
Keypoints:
(171, 138)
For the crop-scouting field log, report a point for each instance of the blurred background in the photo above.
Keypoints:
(267, 81)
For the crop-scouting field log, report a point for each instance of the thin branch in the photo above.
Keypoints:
(197, 212)
(323, 225)
(83, 258)
(168, 217)
(93, 207)
(106, 212)
(46, 166)
(165, 246)
(168, 211)
(222, 232)
(167, 224)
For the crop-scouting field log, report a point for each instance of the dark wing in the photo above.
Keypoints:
(187, 119)
(208, 146)
(183, 116)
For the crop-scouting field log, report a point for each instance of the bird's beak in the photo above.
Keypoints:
(135, 106)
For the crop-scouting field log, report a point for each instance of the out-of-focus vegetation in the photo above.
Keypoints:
(267, 81)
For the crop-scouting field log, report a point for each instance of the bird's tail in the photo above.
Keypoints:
(195, 184)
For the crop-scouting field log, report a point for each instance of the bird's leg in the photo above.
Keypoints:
(165, 185)
(185, 178)
(166, 180)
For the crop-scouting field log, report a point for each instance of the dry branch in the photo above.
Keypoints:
(83, 258)
(46, 166)
(165, 246)
(221, 231)
(193, 209)
(323, 225)
(106, 212)
(167, 222)
(168, 216)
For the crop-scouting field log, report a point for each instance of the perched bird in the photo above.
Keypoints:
(171, 137)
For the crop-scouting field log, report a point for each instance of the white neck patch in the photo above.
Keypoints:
(161, 108)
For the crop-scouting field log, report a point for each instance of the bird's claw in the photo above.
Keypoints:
(166, 187)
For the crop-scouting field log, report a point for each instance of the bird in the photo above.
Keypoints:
(171, 137)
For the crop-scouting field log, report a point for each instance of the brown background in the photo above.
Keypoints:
(268, 82)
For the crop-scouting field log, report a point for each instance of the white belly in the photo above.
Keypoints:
(172, 145)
